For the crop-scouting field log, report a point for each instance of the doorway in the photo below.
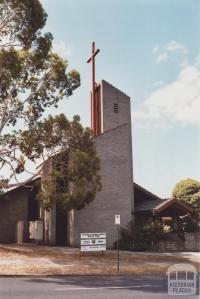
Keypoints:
(61, 227)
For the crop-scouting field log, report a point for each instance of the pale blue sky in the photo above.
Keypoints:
(150, 49)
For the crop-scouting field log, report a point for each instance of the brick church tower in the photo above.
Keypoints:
(111, 124)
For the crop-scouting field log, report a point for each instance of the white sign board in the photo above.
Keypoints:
(93, 242)
(93, 248)
(93, 236)
(117, 219)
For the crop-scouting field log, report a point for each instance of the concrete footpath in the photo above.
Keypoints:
(44, 260)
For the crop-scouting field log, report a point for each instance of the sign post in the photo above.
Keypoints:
(93, 242)
(117, 222)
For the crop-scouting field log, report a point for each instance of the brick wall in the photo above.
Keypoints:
(116, 196)
(114, 148)
(110, 96)
(188, 242)
(13, 207)
(192, 241)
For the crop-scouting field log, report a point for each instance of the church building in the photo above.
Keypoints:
(111, 124)
(112, 134)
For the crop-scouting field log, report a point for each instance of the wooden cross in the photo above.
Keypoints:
(93, 108)
(92, 58)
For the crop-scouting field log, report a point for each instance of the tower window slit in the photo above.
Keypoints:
(116, 108)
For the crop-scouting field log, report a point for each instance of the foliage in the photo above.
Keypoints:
(141, 234)
(188, 191)
(32, 78)
(20, 22)
(73, 179)
(191, 224)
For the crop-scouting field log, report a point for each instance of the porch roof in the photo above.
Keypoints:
(170, 203)
(163, 206)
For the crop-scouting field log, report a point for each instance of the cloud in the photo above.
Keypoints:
(62, 49)
(173, 50)
(155, 49)
(183, 63)
(162, 57)
(177, 103)
(176, 46)
(159, 83)
(197, 62)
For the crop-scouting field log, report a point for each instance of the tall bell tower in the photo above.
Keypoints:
(111, 124)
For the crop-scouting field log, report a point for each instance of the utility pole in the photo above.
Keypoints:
(117, 223)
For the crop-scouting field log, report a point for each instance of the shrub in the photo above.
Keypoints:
(141, 234)
(191, 224)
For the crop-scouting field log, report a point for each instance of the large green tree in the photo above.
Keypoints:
(188, 190)
(32, 78)
(20, 22)
(73, 179)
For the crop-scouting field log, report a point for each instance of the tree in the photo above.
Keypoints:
(32, 78)
(188, 191)
(20, 22)
(141, 234)
(74, 177)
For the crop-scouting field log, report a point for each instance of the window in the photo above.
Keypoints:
(116, 108)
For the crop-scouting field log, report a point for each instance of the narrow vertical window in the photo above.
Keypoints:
(116, 108)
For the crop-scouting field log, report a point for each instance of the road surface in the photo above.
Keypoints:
(87, 287)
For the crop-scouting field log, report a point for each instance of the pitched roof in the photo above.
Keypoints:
(157, 206)
(148, 205)
(24, 185)
(146, 191)
(171, 201)
(153, 204)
